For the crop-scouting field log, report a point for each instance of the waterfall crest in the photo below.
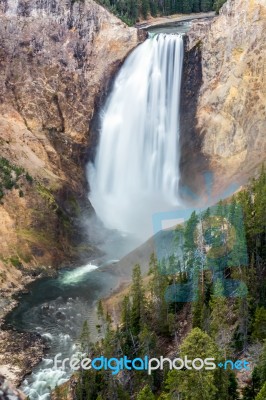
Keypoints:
(135, 172)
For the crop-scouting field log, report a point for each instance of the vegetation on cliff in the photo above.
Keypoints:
(9, 177)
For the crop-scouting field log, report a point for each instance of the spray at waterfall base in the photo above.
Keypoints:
(146, 363)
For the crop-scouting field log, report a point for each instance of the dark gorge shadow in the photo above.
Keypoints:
(193, 163)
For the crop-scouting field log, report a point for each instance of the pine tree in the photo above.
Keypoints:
(133, 10)
(260, 375)
(259, 325)
(196, 6)
(166, 7)
(100, 315)
(197, 311)
(109, 342)
(253, 203)
(158, 305)
(191, 384)
(145, 8)
(154, 7)
(190, 245)
(179, 6)
(146, 394)
(187, 6)
(126, 313)
(258, 230)
(238, 255)
(164, 396)
(147, 341)
(219, 323)
(84, 339)
(206, 5)
(242, 311)
(171, 323)
(121, 393)
(262, 393)
(137, 308)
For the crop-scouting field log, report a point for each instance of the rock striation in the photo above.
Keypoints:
(228, 124)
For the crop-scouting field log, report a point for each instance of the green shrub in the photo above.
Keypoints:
(29, 178)
(15, 261)
(262, 393)
(9, 176)
(259, 325)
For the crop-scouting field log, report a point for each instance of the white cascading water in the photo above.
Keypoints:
(135, 172)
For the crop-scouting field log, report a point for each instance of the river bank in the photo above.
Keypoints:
(33, 323)
(19, 351)
(151, 22)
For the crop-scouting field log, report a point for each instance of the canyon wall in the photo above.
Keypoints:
(227, 124)
(57, 58)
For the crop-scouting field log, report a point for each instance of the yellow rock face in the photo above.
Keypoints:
(231, 108)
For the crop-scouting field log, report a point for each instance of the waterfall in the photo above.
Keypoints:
(136, 172)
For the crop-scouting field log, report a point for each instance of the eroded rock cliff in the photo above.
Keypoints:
(227, 58)
(57, 58)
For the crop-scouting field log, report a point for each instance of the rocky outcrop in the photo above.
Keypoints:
(19, 353)
(8, 392)
(57, 58)
(230, 114)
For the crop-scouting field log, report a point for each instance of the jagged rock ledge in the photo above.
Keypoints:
(19, 353)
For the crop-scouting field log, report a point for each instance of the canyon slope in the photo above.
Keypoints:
(57, 60)
(230, 85)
